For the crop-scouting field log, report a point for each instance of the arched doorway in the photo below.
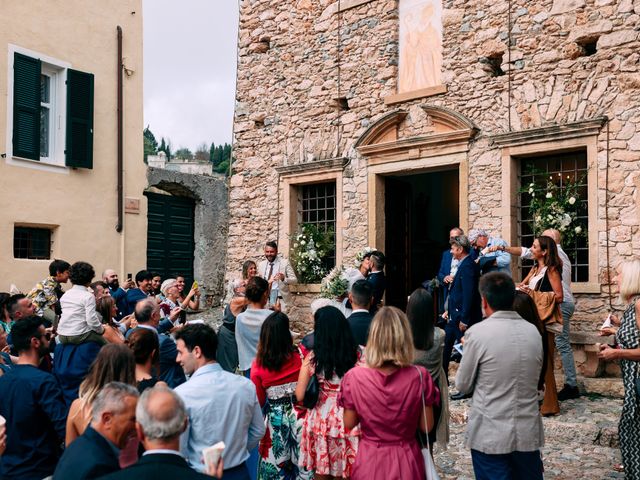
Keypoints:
(417, 186)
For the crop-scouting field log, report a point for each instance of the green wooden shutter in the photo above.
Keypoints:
(26, 107)
(79, 148)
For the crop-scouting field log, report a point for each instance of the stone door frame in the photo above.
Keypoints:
(445, 148)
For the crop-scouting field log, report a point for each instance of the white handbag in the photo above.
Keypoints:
(429, 465)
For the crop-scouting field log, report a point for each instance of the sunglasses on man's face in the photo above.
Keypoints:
(46, 335)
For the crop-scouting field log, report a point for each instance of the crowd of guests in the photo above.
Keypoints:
(102, 381)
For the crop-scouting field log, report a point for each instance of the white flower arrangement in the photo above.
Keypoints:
(556, 207)
(335, 284)
(309, 247)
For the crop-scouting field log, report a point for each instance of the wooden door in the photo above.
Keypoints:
(398, 211)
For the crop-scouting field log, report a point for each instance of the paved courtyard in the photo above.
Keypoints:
(581, 442)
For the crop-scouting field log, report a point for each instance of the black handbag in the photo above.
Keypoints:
(637, 388)
(312, 392)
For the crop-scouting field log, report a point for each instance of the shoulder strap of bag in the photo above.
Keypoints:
(424, 413)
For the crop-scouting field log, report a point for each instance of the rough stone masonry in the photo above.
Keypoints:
(313, 76)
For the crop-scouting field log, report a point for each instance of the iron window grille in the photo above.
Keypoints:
(318, 208)
(560, 169)
(32, 243)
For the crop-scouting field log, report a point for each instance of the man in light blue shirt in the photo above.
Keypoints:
(221, 406)
(489, 260)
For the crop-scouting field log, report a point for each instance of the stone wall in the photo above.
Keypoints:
(210, 194)
(289, 82)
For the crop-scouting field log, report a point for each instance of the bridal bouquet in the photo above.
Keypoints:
(335, 284)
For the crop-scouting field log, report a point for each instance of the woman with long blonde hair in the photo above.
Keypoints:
(386, 398)
(627, 335)
(114, 363)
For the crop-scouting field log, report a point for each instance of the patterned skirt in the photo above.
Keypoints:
(280, 446)
(325, 447)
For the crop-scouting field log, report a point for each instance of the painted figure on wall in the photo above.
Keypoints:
(420, 44)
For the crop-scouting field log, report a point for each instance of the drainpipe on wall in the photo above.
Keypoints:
(120, 161)
(120, 224)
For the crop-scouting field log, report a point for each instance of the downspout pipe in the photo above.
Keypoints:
(119, 225)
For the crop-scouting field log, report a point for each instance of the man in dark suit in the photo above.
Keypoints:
(463, 305)
(448, 269)
(161, 417)
(147, 315)
(141, 292)
(377, 279)
(95, 452)
(360, 297)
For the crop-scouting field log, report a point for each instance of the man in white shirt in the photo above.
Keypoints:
(221, 406)
(279, 273)
(567, 307)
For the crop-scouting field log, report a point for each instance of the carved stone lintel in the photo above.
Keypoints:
(329, 164)
(548, 133)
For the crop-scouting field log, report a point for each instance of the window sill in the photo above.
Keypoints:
(585, 287)
(299, 288)
(37, 164)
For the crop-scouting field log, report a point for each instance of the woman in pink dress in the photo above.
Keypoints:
(325, 447)
(385, 398)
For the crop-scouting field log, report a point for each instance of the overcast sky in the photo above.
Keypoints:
(189, 70)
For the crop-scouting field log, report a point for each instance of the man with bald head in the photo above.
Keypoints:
(567, 307)
(161, 417)
(110, 277)
(147, 314)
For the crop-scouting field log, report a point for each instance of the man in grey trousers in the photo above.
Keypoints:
(501, 365)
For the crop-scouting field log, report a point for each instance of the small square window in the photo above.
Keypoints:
(32, 243)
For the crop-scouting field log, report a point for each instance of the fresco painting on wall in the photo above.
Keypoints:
(420, 44)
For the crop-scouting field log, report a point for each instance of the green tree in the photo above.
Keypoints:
(184, 154)
(150, 143)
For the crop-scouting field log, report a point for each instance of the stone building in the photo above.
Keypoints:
(195, 167)
(397, 119)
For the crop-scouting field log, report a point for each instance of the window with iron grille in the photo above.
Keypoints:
(560, 169)
(318, 207)
(32, 243)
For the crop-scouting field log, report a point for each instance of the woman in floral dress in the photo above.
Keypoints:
(325, 447)
(628, 340)
(275, 373)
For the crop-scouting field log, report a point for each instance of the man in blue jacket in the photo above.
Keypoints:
(32, 404)
(95, 453)
(463, 305)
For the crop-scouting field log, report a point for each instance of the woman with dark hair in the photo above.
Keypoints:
(546, 276)
(146, 352)
(275, 374)
(325, 447)
(524, 306)
(114, 363)
(107, 309)
(428, 341)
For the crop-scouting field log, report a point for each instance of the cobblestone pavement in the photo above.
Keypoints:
(580, 443)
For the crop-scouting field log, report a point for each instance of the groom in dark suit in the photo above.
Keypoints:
(463, 308)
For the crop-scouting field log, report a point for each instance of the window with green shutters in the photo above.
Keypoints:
(41, 101)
